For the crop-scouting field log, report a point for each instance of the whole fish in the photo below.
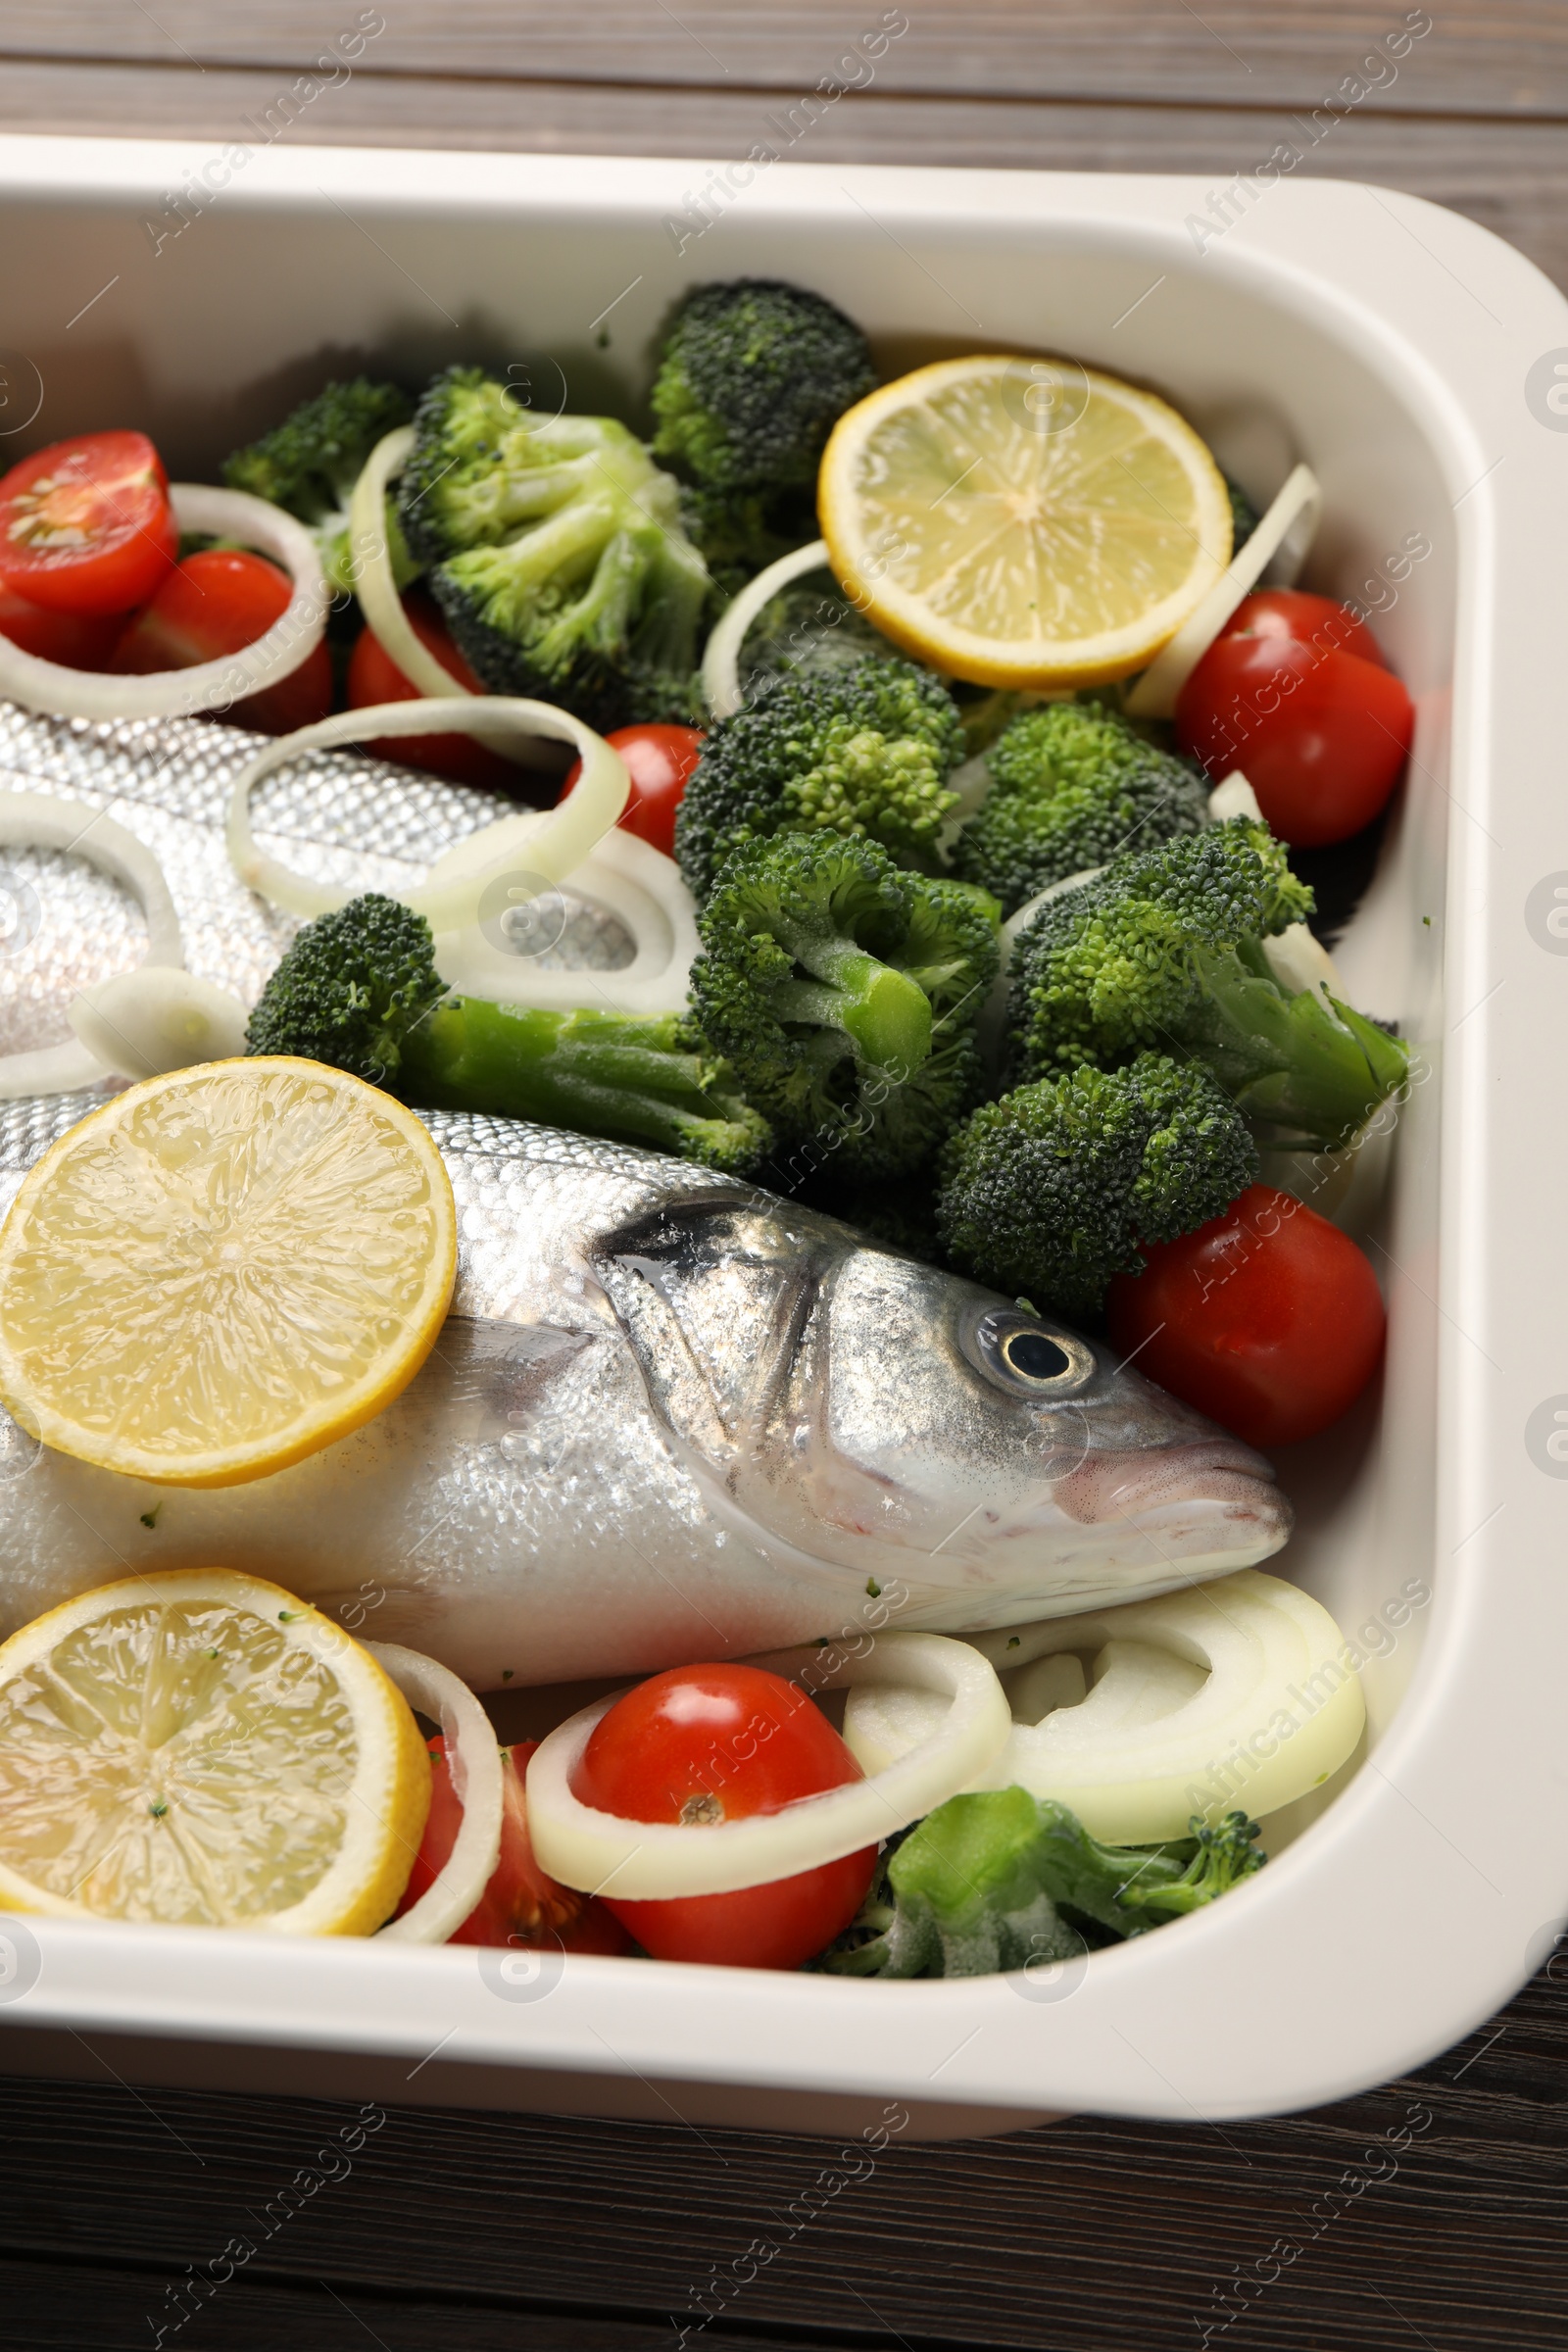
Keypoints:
(670, 1416)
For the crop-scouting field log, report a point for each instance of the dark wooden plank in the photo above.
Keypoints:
(1427, 2212)
(1512, 177)
(1511, 58)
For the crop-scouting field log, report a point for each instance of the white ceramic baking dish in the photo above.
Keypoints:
(1414, 361)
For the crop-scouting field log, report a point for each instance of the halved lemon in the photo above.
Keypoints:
(198, 1748)
(223, 1270)
(1022, 522)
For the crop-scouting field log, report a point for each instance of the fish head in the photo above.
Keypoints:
(883, 1417)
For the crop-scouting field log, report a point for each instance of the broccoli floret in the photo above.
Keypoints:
(843, 989)
(559, 557)
(1003, 1879)
(864, 751)
(740, 532)
(359, 989)
(808, 627)
(1049, 1192)
(755, 373)
(1072, 785)
(310, 462)
(1243, 515)
(1163, 951)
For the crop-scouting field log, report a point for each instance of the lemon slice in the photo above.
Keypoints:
(1022, 522)
(198, 1748)
(223, 1269)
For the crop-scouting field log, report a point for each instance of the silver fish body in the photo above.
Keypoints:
(670, 1416)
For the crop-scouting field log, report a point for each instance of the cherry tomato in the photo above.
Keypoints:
(86, 525)
(719, 1744)
(660, 759)
(1320, 729)
(519, 1905)
(1267, 1319)
(374, 677)
(1308, 620)
(216, 602)
(76, 640)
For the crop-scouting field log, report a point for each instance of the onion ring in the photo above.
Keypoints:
(370, 570)
(642, 1861)
(140, 1024)
(721, 684)
(475, 1760)
(1291, 516)
(571, 829)
(40, 685)
(42, 821)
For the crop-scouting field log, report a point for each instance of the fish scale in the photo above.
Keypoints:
(670, 1415)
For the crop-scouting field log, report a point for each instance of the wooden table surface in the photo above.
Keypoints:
(1428, 2213)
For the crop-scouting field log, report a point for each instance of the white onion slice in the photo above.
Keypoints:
(624, 875)
(40, 685)
(571, 829)
(474, 1758)
(44, 821)
(721, 683)
(641, 1861)
(370, 570)
(1233, 795)
(142, 1023)
(1135, 1761)
(1293, 515)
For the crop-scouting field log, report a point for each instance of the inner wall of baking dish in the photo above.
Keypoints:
(205, 336)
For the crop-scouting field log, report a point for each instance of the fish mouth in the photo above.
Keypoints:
(1147, 1483)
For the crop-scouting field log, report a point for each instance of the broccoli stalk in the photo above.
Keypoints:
(844, 989)
(1000, 1879)
(862, 752)
(310, 462)
(1051, 1191)
(1072, 785)
(559, 559)
(359, 989)
(1163, 951)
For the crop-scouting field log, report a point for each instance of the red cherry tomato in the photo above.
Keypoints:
(719, 1744)
(1267, 1319)
(519, 1905)
(1321, 729)
(76, 640)
(660, 759)
(1308, 620)
(216, 602)
(374, 677)
(86, 525)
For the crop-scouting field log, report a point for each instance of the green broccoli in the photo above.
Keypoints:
(1049, 1192)
(843, 989)
(359, 989)
(754, 374)
(808, 627)
(1071, 786)
(559, 557)
(310, 462)
(1165, 952)
(1003, 1879)
(862, 751)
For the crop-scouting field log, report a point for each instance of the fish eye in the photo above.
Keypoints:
(1018, 1355)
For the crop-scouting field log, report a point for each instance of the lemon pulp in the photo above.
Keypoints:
(223, 1270)
(1023, 522)
(199, 1749)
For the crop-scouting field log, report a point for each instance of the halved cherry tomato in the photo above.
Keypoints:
(519, 1905)
(86, 525)
(1267, 1319)
(76, 640)
(1294, 693)
(705, 1744)
(660, 759)
(374, 677)
(216, 602)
